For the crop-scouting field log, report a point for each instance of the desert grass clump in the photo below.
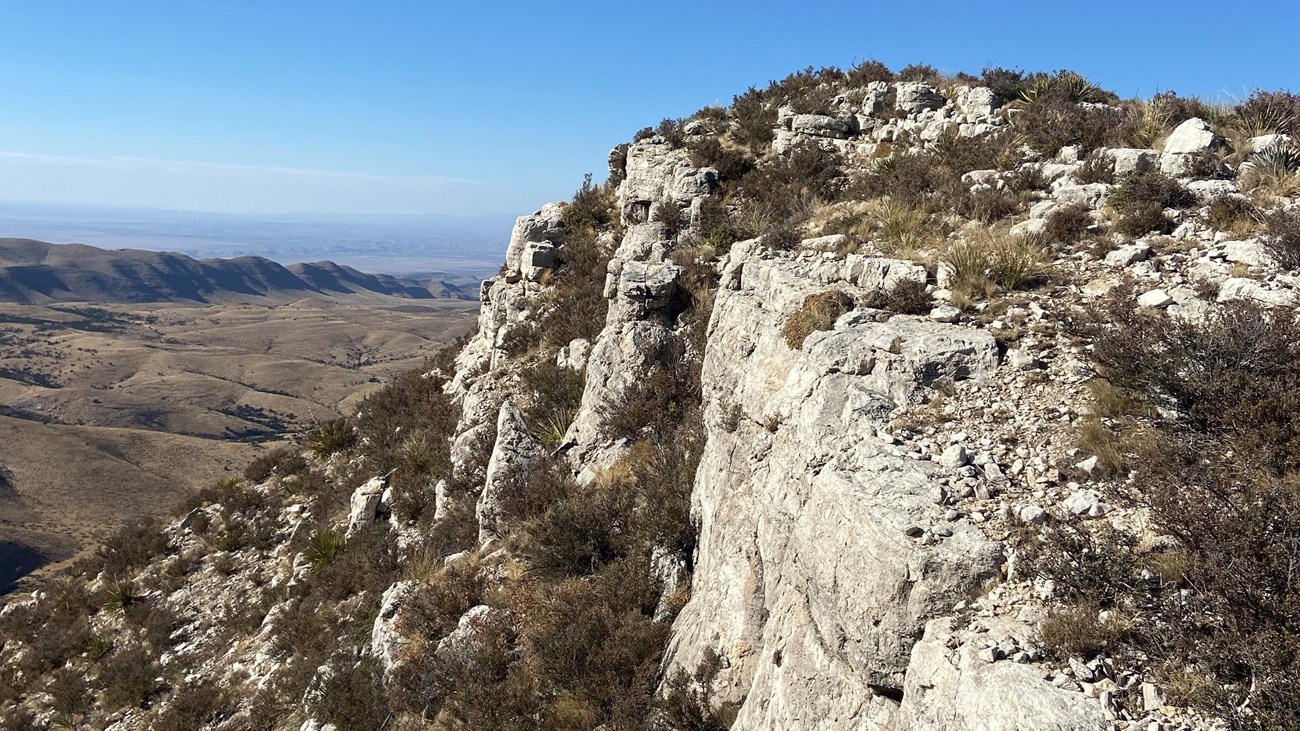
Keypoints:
(899, 228)
(819, 312)
(987, 260)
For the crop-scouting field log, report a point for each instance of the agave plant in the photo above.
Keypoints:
(1069, 85)
(1274, 169)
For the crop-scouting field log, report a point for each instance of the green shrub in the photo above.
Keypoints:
(819, 312)
(919, 72)
(1140, 195)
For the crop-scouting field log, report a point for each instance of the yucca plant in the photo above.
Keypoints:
(331, 437)
(120, 595)
(324, 547)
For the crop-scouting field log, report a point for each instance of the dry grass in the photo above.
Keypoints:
(987, 260)
(900, 230)
(819, 312)
(1080, 631)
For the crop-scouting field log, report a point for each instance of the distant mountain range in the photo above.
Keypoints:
(35, 272)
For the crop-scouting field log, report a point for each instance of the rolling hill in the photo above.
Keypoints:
(35, 272)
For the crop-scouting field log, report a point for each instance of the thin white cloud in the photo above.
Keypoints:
(192, 165)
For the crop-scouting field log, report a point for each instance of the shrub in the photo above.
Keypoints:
(919, 72)
(755, 115)
(717, 227)
(1150, 188)
(819, 312)
(131, 547)
(1143, 218)
(127, 676)
(908, 179)
(1048, 123)
(867, 72)
(1231, 213)
(708, 151)
(906, 297)
(1174, 109)
(330, 437)
(784, 237)
(1267, 112)
(200, 705)
(1068, 224)
(1008, 84)
(1282, 237)
(656, 404)
(556, 395)
(784, 184)
(667, 213)
(352, 696)
(281, 461)
(989, 206)
(1097, 167)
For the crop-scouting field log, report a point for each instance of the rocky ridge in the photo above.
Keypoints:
(857, 491)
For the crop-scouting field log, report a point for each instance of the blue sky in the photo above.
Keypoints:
(476, 108)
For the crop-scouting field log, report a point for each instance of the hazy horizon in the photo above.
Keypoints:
(376, 243)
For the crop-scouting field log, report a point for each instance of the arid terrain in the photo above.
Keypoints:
(109, 412)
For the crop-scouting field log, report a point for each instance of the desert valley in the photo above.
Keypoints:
(144, 403)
